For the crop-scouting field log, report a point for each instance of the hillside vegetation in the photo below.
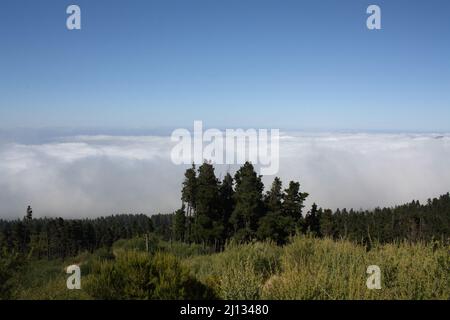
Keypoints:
(305, 268)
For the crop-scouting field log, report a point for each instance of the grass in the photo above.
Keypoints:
(310, 268)
(306, 268)
(239, 271)
(42, 279)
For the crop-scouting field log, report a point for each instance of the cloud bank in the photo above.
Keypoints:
(94, 175)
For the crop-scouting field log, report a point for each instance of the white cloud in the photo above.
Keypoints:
(99, 175)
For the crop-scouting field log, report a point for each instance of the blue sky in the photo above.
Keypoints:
(249, 63)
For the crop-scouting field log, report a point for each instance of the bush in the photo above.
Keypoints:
(326, 269)
(46, 280)
(183, 250)
(238, 272)
(275, 227)
(136, 275)
(8, 265)
(137, 244)
(240, 281)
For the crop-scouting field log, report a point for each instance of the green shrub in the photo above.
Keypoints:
(137, 244)
(9, 263)
(183, 250)
(46, 280)
(240, 281)
(136, 275)
(306, 268)
(238, 272)
(327, 269)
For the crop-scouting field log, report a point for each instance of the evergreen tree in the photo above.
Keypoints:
(163, 225)
(20, 237)
(179, 225)
(29, 215)
(274, 225)
(274, 197)
(312, 221)
(188, 196)
(293, 201)
(326, 223)
(227, 204)
(208, 227)
(249, 204)
(189, 190)
(59, 238)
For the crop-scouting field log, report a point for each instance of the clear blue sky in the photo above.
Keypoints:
(250, 63)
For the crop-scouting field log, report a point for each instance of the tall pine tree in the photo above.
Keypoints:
(208, 227)
(249, 203)
(293, 201)
(274, 225)
(227, 204)
(179, 225)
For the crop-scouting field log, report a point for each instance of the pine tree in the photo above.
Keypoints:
(21, 237)
(293, 201)
(274, 197)
(276, 227)
(326, 223)
(312, 221)
(208, 226)
(189, 190)
(226, 194)
(188, 196)
(179, 225)
(29, 215)
(249, 204)
(273, 225)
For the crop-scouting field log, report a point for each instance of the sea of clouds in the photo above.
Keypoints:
(94, 175)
